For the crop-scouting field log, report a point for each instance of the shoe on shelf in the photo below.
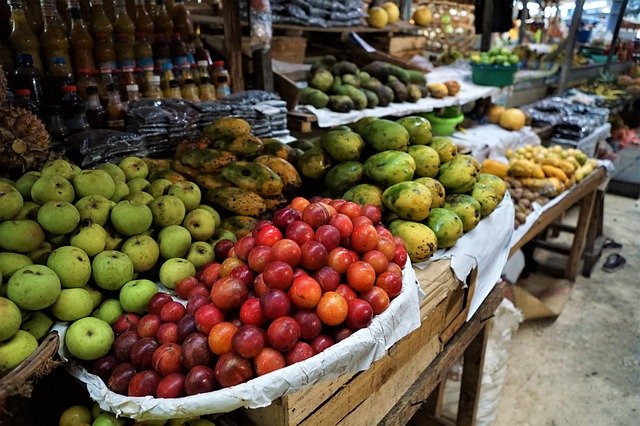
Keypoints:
(613, 263)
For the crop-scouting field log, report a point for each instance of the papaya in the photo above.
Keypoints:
(420, 240)
(168, 174)
(384, 135)
(254, 177)
(237, 200)
(206, 160)
(314, 163)
(279, 149)
(446, 225)
(427, 160)
(445, 147)
(342, 145)
(239, 225)
(466, 207)
(365, 193)
(487, 198)
(228, 128)
(212, 181)
(435, 187)
(275, 202)
(409, 200)
(245, 146)
(419, 129)
(290, 177)
(343, 176)
(390, 167)
(497, 184)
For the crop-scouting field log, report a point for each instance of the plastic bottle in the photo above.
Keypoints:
(154, 91)
(161, 50)
(167, 76)
(221, 80)
(22, 99)
(178, 50)
(102, 30)
(133, 94)
(96, 114)
(106, 79)
(54, 123)
(55, 43)
(80, 40)
(26, 76)
(85, 79)
(182, 20)
(126, 79)
(21, 39)
(206, 90)
(200, 53)
(125, 30)
(173, 91)
(143, 21)
(189, 91)
(163, 24)
(73, 110)
(115, 109)
(59, 75)
(144, 52)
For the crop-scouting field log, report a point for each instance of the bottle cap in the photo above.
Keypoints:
(92, 90)
(23, 92)
(173, 83)
(167, 66)
(155, 79)
(127, 68)
(132, 87)
(105, 70)
(218, 64)
(25, 59)
(58, 61)
(69, 88)
(203, 63)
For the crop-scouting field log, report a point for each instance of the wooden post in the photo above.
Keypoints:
(487, 23)
(262, 71)
(571, 43)
(233, 41)
(472, 378)
(616, 32)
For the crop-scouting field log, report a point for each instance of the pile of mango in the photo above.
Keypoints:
(538, 173)
(430, 194)
(342, 86)
(243, 175)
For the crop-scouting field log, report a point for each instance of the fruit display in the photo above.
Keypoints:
(507, 118)
(537, 174)
(320, 270)
(342, 86)
(430, 195)
(495, 56)
(77, 415)
(83, 246)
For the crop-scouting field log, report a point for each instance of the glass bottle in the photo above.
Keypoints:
(133, 94)
(167, 75)
(125, 50)
(221, 79)
(106, 79)
(22, 99)
(173, 91)
(142, 20)
(186, 73)
(178, 50)
(85, 79)
(73, 110)
(115, 109)
(161, 50)
(189, 91)
(55, 43)
(144, 52)
(80, 40)
(26, 76)
(163, 23)
(154, 91)
(200, 53)
(102, 30)
(182, 20)
(96, 114)
(21, 39)
(58, 76)
(143, 77)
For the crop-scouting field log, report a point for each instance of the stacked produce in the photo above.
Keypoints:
(430, 194)
(342, 86)
(507, 118)
(495, 56)
(319, 271)
(242, 174)
(75, 243)
(537, 173)
(94, 415)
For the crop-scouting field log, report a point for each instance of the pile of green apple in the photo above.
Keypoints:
(85, 246)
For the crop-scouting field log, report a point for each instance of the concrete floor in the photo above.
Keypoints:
(583, 368)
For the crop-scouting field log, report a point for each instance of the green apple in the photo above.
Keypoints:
(89, 237)
(188, 192)
(167, 210)
(135, 295)
(40, 255)
(114, 171)
(174, 241)
(38, 324)
(109, 311)
(89, 338)
(174, 270)
(111, 269)
(11, 318)
(11, 262)
(52, 188)
(75, 416)
(114, 240)
(200, 253)
(33, 287)
(94, 182)
(95, 207)
(58, 167)
(96, 295)
(28, 211)
(121, 191)
(72, 265)
(96, 411)
(213, 212)
(21, 236)
(223, 234)
(131, 219)
(143, 252)
(25, 182)
(138, 184)
(72, 304)
(10, 202)
(109, 419)
(159, 187)
(58, 217)
(15, 350)
(139, 197)
(134, 167)
(200, 224)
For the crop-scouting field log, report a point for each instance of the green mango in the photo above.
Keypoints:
(427, 160)
(365, 193)
(436, 189)
(362, 123)
(495, 182)
(313, 97)
(446, 225)
(390, 167)
(487, 198)
(466, 207)
(445, 147)
(420, 240)
(384, 135)
(342, 145)
(458, 177)
(409, 200)
(343, 176)
(419, 129)
(314, 163)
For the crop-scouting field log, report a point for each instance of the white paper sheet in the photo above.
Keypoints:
(356, 353)
(492, 141)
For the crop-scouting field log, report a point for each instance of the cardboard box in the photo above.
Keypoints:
(541, 296)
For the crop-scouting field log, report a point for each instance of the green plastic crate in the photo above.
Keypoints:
(493, 75)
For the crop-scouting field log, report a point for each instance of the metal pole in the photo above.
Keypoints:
(616, 32)
(571, 41)
(523, 23)
(487, 24)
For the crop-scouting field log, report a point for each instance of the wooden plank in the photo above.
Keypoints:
(302, 404)
(233, 39)
(582, 227)
(262, 72)
(472, 378)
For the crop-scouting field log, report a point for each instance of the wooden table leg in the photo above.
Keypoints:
(472, 378)
(582, 229)
(595, 239)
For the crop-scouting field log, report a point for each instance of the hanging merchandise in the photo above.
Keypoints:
(261, 20)
(80, 40)
(102, 30)
(21, 39)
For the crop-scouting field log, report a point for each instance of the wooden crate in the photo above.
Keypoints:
(365, 398)
(288, 48)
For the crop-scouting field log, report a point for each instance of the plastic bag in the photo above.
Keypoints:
(260, 18)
